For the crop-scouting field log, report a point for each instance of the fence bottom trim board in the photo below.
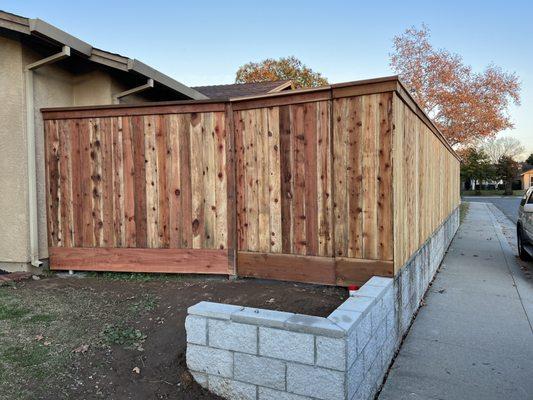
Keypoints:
(191, 261)
(311, 269)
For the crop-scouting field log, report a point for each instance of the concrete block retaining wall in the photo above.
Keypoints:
(245, 353)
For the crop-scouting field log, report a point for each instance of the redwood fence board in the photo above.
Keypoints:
(330, 185)
(184, 261)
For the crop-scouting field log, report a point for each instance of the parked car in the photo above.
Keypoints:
(524, 227)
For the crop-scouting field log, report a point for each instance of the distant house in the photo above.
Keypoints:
(527, 178)
(42, 66)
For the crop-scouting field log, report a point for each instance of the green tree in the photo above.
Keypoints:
(507, 170)
(281, 69)
(529, 160)
(476, 165)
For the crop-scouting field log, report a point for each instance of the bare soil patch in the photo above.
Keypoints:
(118, 336)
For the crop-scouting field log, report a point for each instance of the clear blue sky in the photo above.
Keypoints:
(204, 42)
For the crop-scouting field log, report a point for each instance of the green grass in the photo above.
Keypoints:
(10, 311)
(490, 193)
(147, 302)
(30, 355)
(121, 335)
(64, 318)
(42, 318)
(134, 277)
(463, 211)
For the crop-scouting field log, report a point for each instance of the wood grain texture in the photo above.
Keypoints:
(139, 260)
(284, 174)
(142, 181)
(312, 269)
(425, 181)
(328, 186)
(362, 167)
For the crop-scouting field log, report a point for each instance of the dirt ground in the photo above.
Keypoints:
(121, 336)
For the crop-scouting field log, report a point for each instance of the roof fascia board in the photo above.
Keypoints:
(14, 23)
(43, 28)
(149, 72)
(109, 59)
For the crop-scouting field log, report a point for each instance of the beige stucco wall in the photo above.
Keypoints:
(13, 166)
(53, 87)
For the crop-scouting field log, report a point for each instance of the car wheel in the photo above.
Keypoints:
(524, 256)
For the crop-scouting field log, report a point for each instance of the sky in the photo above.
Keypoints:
(204, 42)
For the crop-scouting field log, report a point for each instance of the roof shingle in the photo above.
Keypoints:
(242, 89)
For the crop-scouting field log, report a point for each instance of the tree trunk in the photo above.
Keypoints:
(508, 188)
(477, 188)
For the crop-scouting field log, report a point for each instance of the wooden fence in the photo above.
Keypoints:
(331, 185)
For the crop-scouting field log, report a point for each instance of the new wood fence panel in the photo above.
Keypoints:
(426, 182)
(153, 181)
(284, 179)
(362, 167)
(326, 186)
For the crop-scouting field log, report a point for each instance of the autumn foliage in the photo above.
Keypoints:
(466, 106)
(281, 69)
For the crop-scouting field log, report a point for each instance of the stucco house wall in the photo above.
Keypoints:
(54, 86)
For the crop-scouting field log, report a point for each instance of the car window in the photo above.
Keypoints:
(530, 200)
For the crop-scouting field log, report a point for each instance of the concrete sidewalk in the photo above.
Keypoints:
(473, 339)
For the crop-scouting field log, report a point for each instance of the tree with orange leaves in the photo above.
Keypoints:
(281, 69)
(466, 106)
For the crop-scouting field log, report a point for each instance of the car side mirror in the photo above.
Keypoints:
(528, 208)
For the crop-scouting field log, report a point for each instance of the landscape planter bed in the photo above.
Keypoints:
(256, 354)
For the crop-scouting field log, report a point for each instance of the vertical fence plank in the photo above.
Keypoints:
(162, 152)
(310, 156)
(324, 194)
(298, 147)
(77, 184)
(152, 183)
(340, 175)
(240, 179)
(53, 183)
(96, 178)
(274, 180)
(197, 177)
(139, 161)
(107, 191)
(355, 131)
(220, 174)
(384, 199)
(231, 182)
(262, 183)
(286, 179)
(176, 219)
(128, 177)
(184, 126)
(118, 182)
(65, 182)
